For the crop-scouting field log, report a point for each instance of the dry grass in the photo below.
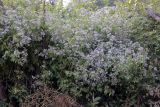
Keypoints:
(46, 97)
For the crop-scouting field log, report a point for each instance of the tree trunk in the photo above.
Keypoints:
(2, 92)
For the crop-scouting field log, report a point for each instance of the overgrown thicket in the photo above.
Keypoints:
(108, 57)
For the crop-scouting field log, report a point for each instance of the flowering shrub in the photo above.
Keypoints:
(98, 58)
(90, 56)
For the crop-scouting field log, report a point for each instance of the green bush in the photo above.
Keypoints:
(146, 31)
(99, 57)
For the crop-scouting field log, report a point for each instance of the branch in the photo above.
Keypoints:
(152, 14)
(2, 8)
(1, 3)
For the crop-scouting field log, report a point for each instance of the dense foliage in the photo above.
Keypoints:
(104, 57)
